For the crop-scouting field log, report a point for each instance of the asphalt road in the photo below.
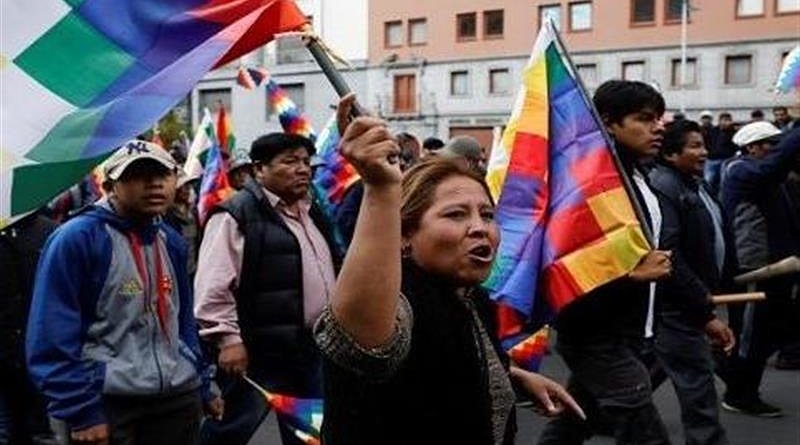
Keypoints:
(781, 388)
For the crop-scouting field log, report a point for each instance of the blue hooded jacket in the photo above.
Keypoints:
(95, 327)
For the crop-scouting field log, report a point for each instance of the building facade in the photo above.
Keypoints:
(463, 77)
(450, 67)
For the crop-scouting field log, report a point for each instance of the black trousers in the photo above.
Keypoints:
(611, 381)
(24, 418)
(171, 420)
(760, 328)
(684, 355)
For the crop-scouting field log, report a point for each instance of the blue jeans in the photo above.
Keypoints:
(246, 408)
(685, 355)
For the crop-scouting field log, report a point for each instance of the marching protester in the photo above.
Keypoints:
(240, 169)
(692, 228)
(23, 419)
(425, 327)
(111, 341)
(606, 336)
(783, 120)
(721, 149)
(182, 216)
(467, 150)
(264, 274)
(750, 183)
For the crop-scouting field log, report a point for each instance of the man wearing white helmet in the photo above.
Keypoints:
(750, 184)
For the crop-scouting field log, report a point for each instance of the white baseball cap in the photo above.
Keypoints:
(133, 151)
(755, 132)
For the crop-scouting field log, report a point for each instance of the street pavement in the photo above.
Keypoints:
(781, 388)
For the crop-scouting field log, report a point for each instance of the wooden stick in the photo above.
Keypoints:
(738, 298)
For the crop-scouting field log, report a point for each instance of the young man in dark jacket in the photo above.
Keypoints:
(111, 340)
(605, 337)
(692, 229)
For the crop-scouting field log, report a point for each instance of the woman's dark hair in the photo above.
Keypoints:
(265, 148)
(615, 99)
(676, 135)
(419, 187)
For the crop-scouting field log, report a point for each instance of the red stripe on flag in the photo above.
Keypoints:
(571, 228)
(595, 173)
(559, 287)
(529, 156)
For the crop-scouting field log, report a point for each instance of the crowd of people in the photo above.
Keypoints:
(140, 322)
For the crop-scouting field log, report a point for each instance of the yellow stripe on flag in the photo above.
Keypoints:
(611, 209)
(610, 258)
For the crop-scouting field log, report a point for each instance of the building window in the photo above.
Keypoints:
(633, 70)
(493, 24)
(691, 72)
(466, 26)
(405, 93)
(580, 16)
(499, 81)
(417, 31)
(213, 99)
(550, 11)
(393, 34)
(749, 8)
(787, 6)
(738, 70)
(588, 73)
(673, 10)
(459, 83)
(643, 12)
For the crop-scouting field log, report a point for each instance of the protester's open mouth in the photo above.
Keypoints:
(482, 253)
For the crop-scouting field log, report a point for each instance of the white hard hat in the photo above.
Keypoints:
(706, 113)
(754, 132)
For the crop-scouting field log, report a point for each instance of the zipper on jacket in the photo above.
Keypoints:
(154, 317)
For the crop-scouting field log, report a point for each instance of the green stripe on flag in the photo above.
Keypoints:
(74, 60)
(35, 184)
(67, 140)
(74, 4)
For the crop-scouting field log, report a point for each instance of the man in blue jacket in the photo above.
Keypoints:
(111, 339)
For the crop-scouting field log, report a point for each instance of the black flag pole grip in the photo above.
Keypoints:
(335, 78)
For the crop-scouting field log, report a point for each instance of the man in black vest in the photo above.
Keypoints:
(264, 274)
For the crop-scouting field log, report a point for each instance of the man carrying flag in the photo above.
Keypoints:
(605, 336)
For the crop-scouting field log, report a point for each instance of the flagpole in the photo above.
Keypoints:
(626, 181)
(331, 72)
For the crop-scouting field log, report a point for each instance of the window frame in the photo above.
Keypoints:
(550, 5)
(485, 27)
(490, 85)
(468, 90)
(634, 23)
(625, 63)
(472, 38)
(411, 23)
(414, 106)
(738, 16)
(673, 79)
(596, 67)
(570, 5)
(750, 79)
(779, 13)
(675, 21)
(386, 24)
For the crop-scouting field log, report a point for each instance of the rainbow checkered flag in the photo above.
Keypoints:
(304, 416)
(567, 223)
(79, 78)
(291, 117)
